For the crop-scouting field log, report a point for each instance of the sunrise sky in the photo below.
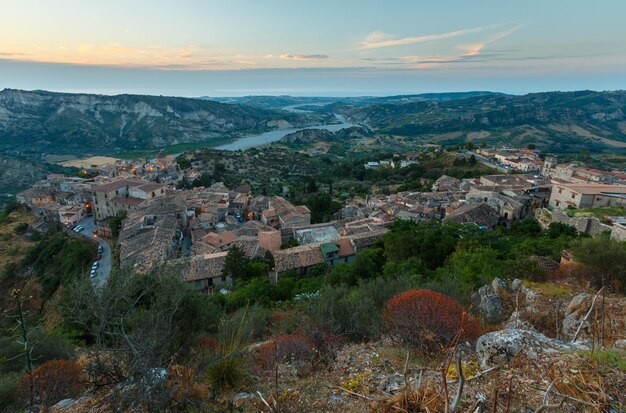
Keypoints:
(340, 47)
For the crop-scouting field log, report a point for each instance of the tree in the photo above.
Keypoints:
(234, 264)
(183, 162)
(115, 223)
(469, 145)
(204, 180)
(136, 325)
(605, 257)
(531, 146)
(311, 186)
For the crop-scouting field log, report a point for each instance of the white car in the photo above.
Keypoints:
(79, 228)
(93, 273)
(95, 265)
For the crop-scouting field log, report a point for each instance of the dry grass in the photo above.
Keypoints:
(13, 246)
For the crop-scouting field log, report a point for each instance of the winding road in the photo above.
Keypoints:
(104, 269)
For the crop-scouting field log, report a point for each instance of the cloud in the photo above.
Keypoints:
(289, 56)
(474, 49)
(468, 52)
(6, 54)
(378, 39)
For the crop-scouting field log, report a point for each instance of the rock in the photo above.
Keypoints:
(579, 303)
(571, 323)
(392, 383)
(516, 284)
(516, 322)
(621, 344)
(531, 299)
(499, 286)
(491, 308)
(64, 404)
(485, 290)
(574, 314)
(475, 299)
(243, 396)
(501, 346)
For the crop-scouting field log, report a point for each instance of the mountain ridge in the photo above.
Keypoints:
(79, 122)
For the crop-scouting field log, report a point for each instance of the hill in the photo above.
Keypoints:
(18, 174)
(311, 102)
(556, 121)
(86, 123)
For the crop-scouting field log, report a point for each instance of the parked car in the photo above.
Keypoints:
(79, 228)
(95, 265)
(100, 249)
(71, 226)
(98, 257)
(93, 273)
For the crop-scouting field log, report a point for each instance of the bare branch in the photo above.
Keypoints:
(353, 393)
(459, 390)
(584, 320)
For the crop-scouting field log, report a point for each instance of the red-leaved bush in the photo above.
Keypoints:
(51, 382)
(287, 347)
(428, 319)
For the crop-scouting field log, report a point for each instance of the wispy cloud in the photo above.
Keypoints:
(378, 39)
(468, 52)
(290, 56)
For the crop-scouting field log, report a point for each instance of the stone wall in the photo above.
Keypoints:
(588, 225)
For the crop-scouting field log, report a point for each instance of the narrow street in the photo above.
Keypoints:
(104, 269)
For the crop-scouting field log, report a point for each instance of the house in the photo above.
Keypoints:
(219, 241)
(446, 183)
(573, 195)
(298, 258)
(122, 195)
(204, 272)
(71, 214)
(340, 251)
(154, 234)
(35, 197)
(481, 215)
(509, 205)
(283, 214)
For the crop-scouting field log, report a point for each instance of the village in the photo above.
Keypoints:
(196, 228)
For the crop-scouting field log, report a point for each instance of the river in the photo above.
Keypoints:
(275, 135)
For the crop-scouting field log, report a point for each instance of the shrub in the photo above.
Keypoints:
(297, 348)
(342, 311)
(8, 392)
(183, 386)
(604, 258)
(428, 319)
(53, 381)
(21, 228)
(227, 373)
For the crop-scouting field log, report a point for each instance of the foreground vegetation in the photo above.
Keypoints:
(174, 349)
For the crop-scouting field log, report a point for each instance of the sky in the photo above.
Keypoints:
(320, 47)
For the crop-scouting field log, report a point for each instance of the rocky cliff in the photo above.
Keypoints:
(79, 123)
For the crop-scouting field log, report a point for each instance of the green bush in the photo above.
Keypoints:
(21, 228)
(9, 392)
(605, 258)
(228, 373)
(342, 312)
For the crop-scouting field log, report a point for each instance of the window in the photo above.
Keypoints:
(560, 190)
(223, 278)
(557, 203)
(573, 196)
